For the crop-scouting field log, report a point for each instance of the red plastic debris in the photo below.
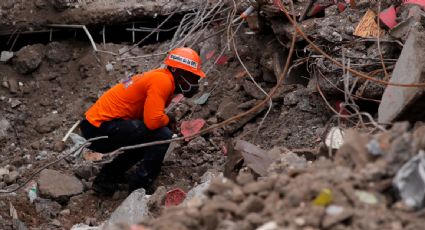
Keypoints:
(174, 197)
(417, 2)
(222, 60)
(191, 127)
(341, 109)
(210, 54)
(341, 6)
(317, 8)
(388, 17)
(224, 150)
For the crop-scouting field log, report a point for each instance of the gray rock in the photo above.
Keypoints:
(28, 59)
(11, 177)
(6, 56)
(14, 102)
(227, 108)
(58, 52)
(48, 123)
(65, 212)
(291, 98)
(47, 208)
(198, 191)
(60, 187)
(197, 144)
(86, 171)
(13, 85)
(56, 223)
(4, 126)
(131, 211)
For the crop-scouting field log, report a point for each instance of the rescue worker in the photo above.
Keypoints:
(133, 112)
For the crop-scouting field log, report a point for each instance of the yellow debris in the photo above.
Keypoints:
(324, 198)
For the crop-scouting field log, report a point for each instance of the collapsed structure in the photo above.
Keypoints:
(300, 103)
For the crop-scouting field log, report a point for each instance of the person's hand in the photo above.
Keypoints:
(172, 124)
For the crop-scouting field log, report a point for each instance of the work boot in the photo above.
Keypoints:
(104, 185)
(136, 181)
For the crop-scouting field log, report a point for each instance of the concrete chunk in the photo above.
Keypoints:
(60, 187)
(400, 103)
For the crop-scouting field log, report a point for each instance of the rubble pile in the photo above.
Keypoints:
(354, 191)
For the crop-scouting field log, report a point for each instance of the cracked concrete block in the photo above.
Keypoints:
(405, 103)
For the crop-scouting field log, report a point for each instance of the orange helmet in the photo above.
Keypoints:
(186, 59)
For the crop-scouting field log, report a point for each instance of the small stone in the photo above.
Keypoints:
(291, 99)
(86, 171)
(6, 56)
(3, 171)
(338, 214)
(11, 177)
(4, 127)
(244, 178)
(65, 212)
(251, 204)
(47, 208)
(220, 185)
(91, 221)
(56, 223)
(269, 226)
(197, 144)
(13, 86)
(300, 221)
(109, 67)
(59, 146)
(14, 102)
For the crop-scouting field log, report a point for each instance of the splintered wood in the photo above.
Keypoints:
(367, 27)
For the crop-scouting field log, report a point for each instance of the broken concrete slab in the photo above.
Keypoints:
(399, 103)
(58, 186)
(256, 158)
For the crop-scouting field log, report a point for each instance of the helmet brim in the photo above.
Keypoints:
(200, 73)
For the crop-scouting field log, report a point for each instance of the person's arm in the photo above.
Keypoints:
(157, 95)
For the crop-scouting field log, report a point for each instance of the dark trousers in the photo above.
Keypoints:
(124, 133)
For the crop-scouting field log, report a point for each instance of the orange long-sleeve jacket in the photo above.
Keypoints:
(143, 97)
